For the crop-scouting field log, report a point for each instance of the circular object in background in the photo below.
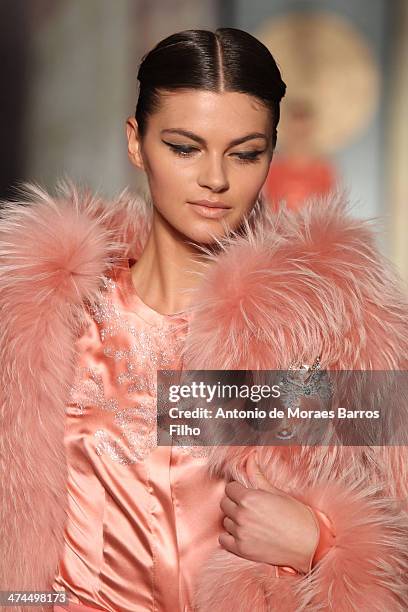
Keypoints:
(329, 69)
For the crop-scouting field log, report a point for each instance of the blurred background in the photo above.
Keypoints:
(68, 75)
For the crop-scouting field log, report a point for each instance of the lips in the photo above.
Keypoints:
(210, 209)
(210, 204)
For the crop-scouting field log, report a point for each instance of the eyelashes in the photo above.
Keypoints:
(252, 156)
(181, 150)
(187, 151)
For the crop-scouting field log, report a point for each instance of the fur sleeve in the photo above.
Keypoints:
(52, 256)
(314, 284)
(367, 566)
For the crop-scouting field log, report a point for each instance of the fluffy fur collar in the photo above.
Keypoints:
(293, 287)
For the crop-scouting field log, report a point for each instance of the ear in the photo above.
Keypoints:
(134, 143)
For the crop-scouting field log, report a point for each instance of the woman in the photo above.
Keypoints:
(97, 296)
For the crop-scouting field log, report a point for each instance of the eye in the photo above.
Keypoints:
(181, 150)
(249, 156)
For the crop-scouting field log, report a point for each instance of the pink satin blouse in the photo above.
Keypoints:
(141, 518)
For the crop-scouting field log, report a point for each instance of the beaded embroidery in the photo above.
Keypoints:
(303, 381)
(148, 352)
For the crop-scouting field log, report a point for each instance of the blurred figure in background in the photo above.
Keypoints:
(299, 172)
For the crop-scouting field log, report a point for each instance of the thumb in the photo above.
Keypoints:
(256, 475)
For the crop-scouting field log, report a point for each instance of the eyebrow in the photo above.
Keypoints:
(203, 142)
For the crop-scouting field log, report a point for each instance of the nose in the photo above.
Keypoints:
(212, 174)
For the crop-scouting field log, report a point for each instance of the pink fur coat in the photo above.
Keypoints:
(294, 287)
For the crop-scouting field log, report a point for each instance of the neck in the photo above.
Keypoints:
(164, 270)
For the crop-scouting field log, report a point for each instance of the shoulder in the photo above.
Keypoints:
(62, 246)
(299, 285)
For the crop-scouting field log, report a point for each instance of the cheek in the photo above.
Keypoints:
(248, 181)
(168, 179)
(168, 189)
(161, 174)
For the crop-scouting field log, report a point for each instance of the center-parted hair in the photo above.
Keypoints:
(225, 60)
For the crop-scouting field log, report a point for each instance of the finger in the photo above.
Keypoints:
(230, 526)
(227, 541)
(235, 491)
(228, 507)
(257, 477)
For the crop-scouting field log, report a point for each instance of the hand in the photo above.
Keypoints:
(267, 525)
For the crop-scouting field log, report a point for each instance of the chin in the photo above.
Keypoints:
(207, 234)
(205, 231)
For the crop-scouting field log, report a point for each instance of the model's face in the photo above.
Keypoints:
(208, 146)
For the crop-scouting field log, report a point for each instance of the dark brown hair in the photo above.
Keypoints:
(225, 60)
